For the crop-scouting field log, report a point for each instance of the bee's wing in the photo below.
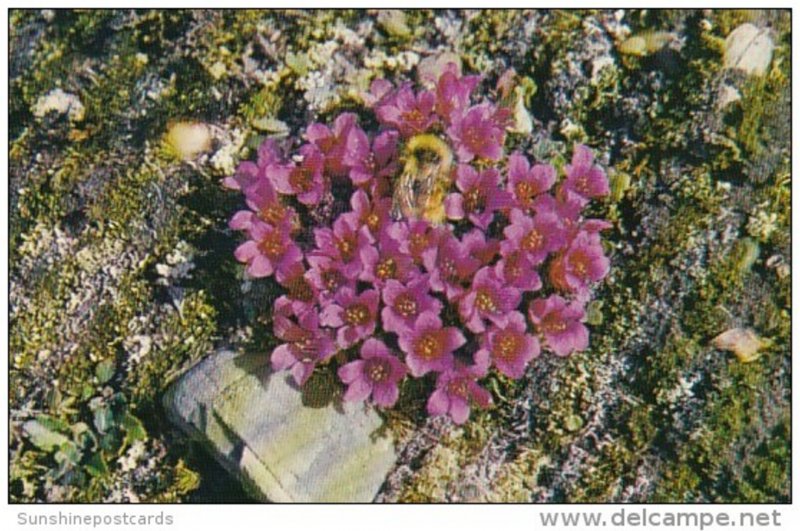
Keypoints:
(404, 200)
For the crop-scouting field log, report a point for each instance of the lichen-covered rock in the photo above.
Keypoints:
(261, 429)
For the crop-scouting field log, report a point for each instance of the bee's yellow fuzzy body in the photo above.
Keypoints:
(422, 186)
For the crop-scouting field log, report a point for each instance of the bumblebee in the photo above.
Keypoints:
(420, 190)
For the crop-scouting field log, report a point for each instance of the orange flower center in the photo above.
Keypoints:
(386, 268)
(300, 179)
(506, 345)
(299, 289)
(473, 137)
(357, 314)
(273, 213)
(332, 279)
(533, 240)
(448, 268)
(377, 370)
(524, 191)
(413, 116)
(346, 247)
(553, 324)
(406, 305)
(582, 184)
(474, 200)
(484, 301)
(272, 245)
(429, 346)
(580, 263)
(373, 221)
(417, 243)
(458, 388)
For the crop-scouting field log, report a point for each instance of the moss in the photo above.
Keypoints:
(186, 336)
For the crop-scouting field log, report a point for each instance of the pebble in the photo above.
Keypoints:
(749, 48)
(257, 426)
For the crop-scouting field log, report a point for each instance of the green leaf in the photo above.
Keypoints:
(71, 452)
(54, 399)
(105, 370)
(96, 465)
(594, 313)
(43, 437)
(271, 125)
(103, 418)
(87, 391)
(110, 442)
(53, 423)
(134, 429)
(299, 63)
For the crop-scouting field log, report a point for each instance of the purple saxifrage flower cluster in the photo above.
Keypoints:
(495, 265)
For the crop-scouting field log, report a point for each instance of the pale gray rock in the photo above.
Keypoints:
(749, 48)
(258, 428)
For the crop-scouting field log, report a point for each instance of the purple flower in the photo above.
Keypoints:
(581, 264)
(270, 161)
(305, 345)
(304, 180)
(246, 174)
(509, 347)
(429, 346)
(368, 162)
(265, 204)
(453, 91)
(379, 90)
(332, 143)
(585, 180)
(268, 250)
(377, 373)
(515, 269)
(269, 154)
(409, 113)
(488, 299)
(299, 291)
(479, 132)
(372, 214)
(451, 267)
(326, 275)
(560, 323)
(343, 243)
(353, 315)
(480, 196)
(456, 390)
(385, 262)
(417, 238)
(568, 212)
(404, 303)
(526, 182)
(537, 236)
(479, 247)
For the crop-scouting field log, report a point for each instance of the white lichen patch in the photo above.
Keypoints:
(761, 224)
(226, 158)
(179, 264)
(59, 102)
(130, 459)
